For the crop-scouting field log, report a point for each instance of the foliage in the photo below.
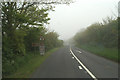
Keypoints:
(100, 38)
(22, 25)
(52, 38)
(33, 36)
(33, 62)
(105, 34)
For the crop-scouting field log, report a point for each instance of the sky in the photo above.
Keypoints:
(67, 20)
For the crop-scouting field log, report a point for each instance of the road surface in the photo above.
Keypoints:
(72, 62)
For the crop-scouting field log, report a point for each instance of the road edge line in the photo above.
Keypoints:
(83, 65)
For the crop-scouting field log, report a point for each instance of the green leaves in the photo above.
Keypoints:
(105, 34)
(22, 25)
(52, 41)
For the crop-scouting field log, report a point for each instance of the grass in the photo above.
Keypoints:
(27, 69)
(109, 53)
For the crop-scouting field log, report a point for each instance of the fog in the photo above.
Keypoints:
(67, 20)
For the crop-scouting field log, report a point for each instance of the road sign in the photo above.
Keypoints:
(41, 38)
(40, 45)
(42, 49)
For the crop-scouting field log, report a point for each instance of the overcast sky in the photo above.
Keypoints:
(67, 20)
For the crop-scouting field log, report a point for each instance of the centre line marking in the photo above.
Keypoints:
(73, 57)
(79, 51)
(83, 65)
(80, 67)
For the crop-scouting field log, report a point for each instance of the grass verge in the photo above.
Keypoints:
(109, 53)
(27, 69)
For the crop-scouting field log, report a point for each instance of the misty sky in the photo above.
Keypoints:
(67, 20)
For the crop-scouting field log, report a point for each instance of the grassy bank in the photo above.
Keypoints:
(33, 63)
(109, 53)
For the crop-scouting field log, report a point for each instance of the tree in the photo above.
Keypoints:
(17, 19)
(105, 34)
(22, 24)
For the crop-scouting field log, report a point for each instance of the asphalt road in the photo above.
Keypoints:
(72, 62)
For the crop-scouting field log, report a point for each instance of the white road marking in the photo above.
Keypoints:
(83, 65)
(79, 51)
(80, 67)
(73, 57)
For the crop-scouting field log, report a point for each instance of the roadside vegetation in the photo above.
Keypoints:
(100, 39)
(29, 63)
(22, 25)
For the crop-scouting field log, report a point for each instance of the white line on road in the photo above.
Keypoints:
(73, 57)
(83, 65)
(79, 51)
(80, 67)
